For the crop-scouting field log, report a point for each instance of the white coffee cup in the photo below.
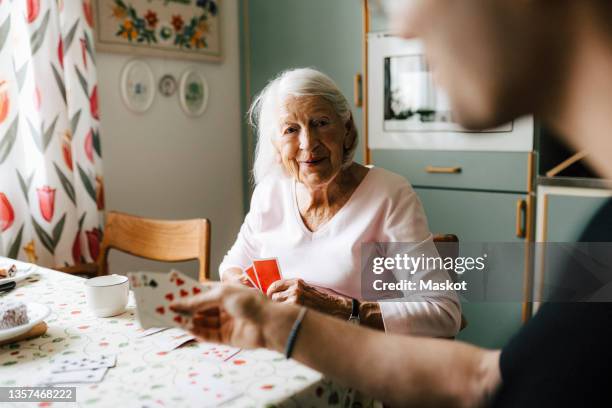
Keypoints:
(107, 295)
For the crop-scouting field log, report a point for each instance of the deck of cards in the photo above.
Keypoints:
(263, 273)
(81, 369)
(155, 291)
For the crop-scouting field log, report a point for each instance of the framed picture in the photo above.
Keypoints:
(193, 92)
(187, 29)
(137, 86)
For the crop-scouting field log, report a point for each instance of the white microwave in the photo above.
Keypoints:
(407, 111)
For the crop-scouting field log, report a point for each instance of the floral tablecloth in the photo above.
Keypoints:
(143, 376)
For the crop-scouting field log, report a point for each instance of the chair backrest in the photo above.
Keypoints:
(159, 240)
(447, 246)
(449, 251)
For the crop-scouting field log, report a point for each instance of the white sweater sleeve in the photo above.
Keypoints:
(246, 246)
(436, 313)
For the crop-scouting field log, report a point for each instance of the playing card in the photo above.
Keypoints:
(171, 339)
(216, 352)
(73, 363)
(140, 333)
(155, 291)
(202, 390)
(73, 377)
(267, 272)
(250, 273)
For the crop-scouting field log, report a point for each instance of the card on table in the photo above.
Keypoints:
(93, 375)
(267, 272)
(217, 353)
(75, 363)
(155, 291)
(171, 339)
(204, 391)
(140, 333)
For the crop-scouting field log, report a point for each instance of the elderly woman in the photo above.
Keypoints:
(313, 207)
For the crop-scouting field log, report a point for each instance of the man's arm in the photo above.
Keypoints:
(400, 370)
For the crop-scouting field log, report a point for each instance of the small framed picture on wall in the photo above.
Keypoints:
(187, 29)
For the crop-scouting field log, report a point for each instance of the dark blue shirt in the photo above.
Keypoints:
(563, 355)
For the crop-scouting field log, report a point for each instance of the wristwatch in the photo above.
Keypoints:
(354, 319)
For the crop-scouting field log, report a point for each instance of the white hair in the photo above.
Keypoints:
(264, 113)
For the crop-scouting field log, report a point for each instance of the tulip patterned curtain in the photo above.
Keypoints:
(51, 192)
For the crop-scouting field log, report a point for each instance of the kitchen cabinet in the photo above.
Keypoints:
(480, 217)
(564, 209)
(478, 204)
(563, 212)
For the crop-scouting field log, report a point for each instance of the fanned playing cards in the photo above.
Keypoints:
(263, 273)
(155, 291)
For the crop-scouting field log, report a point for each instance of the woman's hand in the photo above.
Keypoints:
(298, 292)
(235, 276)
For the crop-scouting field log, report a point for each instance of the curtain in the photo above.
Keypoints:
(51, 186)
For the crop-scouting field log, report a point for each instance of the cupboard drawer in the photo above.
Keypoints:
(492, 171)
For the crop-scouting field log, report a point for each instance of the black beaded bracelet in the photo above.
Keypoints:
(294, 332)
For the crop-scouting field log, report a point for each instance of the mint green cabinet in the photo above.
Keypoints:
(562, 215)
(479, 217)
(471, 215)
(486, 171)
(566, 214)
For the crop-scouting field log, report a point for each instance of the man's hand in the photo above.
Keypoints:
(228, 314)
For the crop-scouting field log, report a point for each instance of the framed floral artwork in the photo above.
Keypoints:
(187, 29)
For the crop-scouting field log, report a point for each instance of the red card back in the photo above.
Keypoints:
(267, 272)
(250, 273)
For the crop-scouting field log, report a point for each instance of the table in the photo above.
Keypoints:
(143, 376)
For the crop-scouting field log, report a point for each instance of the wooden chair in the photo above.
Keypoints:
(449, 251)
(158, 240)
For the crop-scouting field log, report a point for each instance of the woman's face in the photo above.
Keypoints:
(312, 139)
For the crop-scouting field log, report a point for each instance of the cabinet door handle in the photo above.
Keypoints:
(443, 170)
(357, 94)
(521, 218)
